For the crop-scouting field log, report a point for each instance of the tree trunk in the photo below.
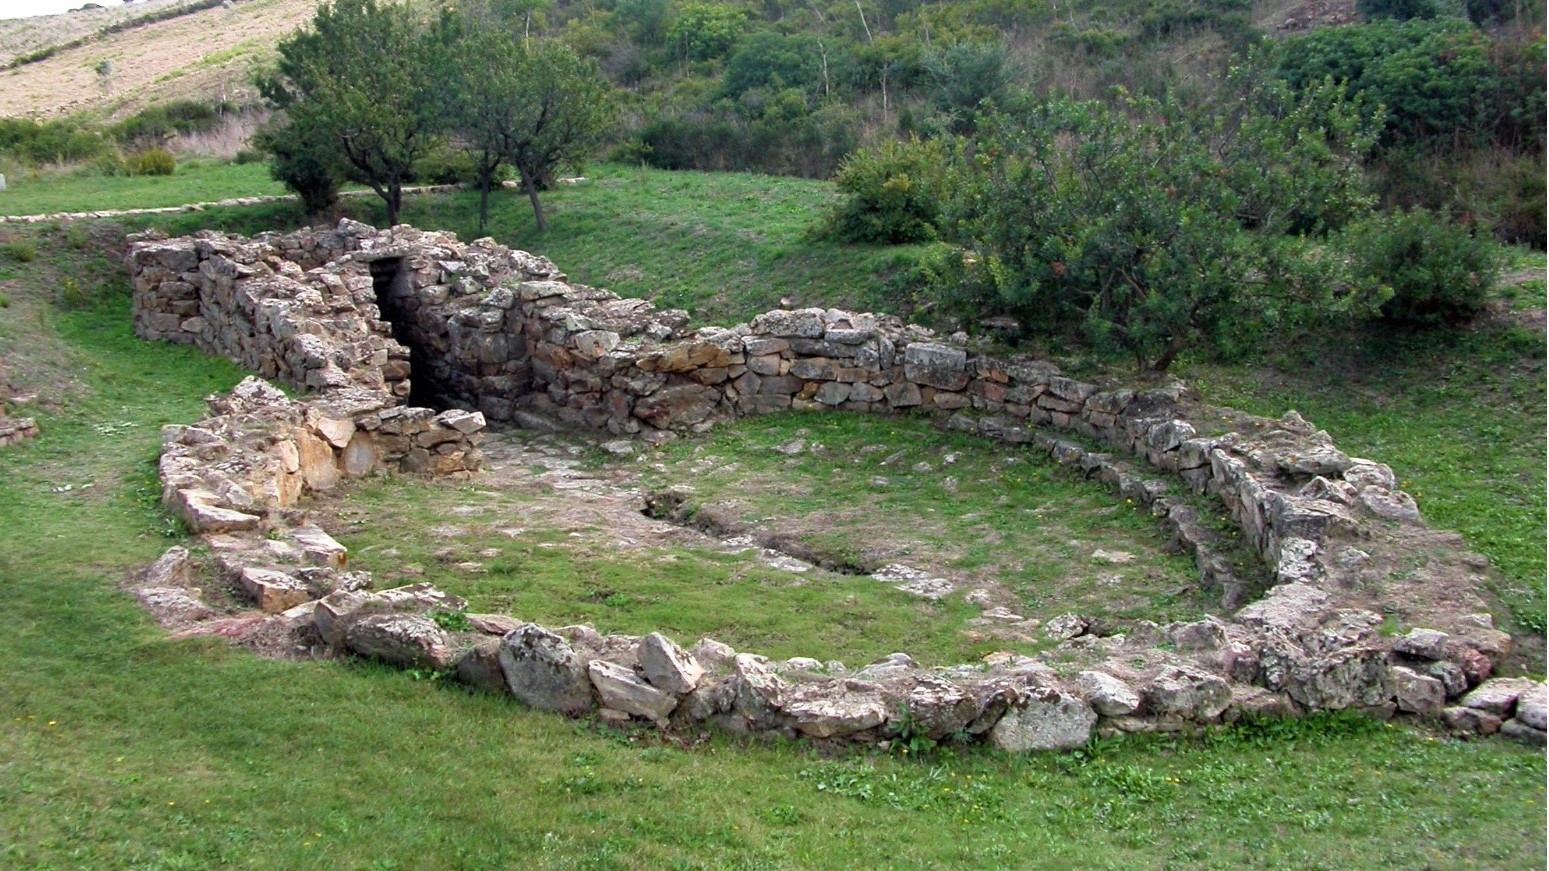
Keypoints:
(485, 183)
(1175, 345)
(393, 197)
(530, 182)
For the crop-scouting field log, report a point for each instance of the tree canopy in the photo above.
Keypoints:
(371, 89)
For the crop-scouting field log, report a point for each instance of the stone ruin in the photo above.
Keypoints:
(12, 429)
(408, 341)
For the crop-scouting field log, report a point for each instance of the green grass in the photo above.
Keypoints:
(121, 749)
(877, 490)
(724, 246)
(86, 190)
(559, 573)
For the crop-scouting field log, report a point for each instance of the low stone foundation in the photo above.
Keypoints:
(12, 429)
(491, 332)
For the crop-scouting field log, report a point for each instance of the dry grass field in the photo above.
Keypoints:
(204, 55)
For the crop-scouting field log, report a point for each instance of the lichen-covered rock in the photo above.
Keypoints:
(1533, 708)
(406, 640)
(1187, 692)
(758, 693)
(274, 591)
(1423, 644)
(479, 666)
(1517, 730)
(1470, 721)
(544, 672)
(832, 711)
(713, 655)
(1356, 677)
(1044, 719)
(667, 666)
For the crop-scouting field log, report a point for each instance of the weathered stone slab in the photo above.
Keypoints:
(544, 672)
(1044, 719)
(667, 666)
(619, 689)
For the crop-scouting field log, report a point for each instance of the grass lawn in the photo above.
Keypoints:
(119, 748)
(88, 191)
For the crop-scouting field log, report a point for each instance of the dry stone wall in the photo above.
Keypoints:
(12, 429)
(368, 319)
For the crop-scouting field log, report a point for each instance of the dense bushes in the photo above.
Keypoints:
(156, 125)
(1149, 227)
(153, 161)
(35, 143)
(894, 194)
(1436, 270)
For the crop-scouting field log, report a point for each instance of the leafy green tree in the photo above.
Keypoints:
(963, 78)
(705, 31)
(304, 161)
(364, 79)
(1152, 227)
(532, 106)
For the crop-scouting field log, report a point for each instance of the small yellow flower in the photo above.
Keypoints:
(171, 803)
(53, 722)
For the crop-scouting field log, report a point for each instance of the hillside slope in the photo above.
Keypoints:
(23, 36)
(203, 55)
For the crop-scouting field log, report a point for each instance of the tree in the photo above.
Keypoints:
(364, 79)
(533, 107)
(303, 161)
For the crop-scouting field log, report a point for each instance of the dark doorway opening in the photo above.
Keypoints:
(397, 302)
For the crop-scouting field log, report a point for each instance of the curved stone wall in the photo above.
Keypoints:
(500, 333)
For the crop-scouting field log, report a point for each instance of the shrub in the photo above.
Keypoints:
(48, 142)
(446, 165)
(1438, 271)
(306, 164)
(244, 156)
(894, 194)
(1152, 226)
(154, 161)
(156, 124)
(20, 251)
(110, 164)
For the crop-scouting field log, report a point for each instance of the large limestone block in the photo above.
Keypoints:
(1356, 677)
(318, 466)
(1499, 695)
(1418, 693)
(274, 591)
(360, 457)
(406, 640)
(198, 509)
(668, 666)
(939, 366)
(758, 693)
(620, 689)
(1188, 692)
(830, 711)
(544, 672)
(1044, 719)
(319, 548)
(1108, 695)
